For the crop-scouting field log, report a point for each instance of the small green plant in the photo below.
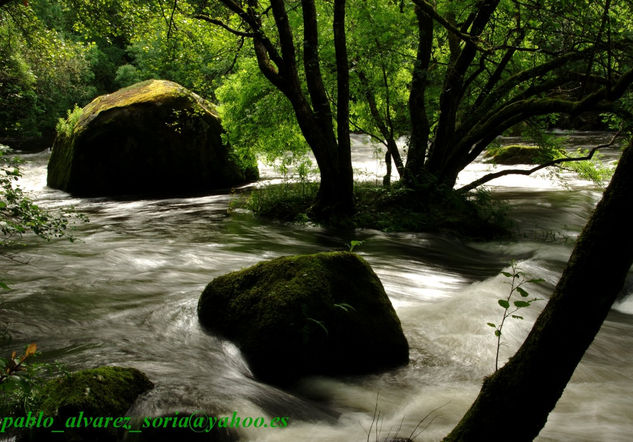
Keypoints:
(517, 281)
(353, 244)
(284, 202)
(66, 125)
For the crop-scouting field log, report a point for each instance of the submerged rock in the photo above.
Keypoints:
(310, 314)
(154, 137)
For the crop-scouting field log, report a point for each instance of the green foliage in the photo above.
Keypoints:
(181, 49)
(398, 208)
(510, 306)
(550, 146)
(127, 75)
(381, 41)
(389, 209)
(65, 126)
(257, 116)
(21, 379)
(19, 215)
(42, 73)
(594, 169)
(284, 202)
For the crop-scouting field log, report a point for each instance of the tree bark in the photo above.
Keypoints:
(515, 401)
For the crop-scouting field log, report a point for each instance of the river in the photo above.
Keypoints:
(125, 293)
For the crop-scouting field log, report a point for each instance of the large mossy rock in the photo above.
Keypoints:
(310, 314)
(81, 403)
(154, 137)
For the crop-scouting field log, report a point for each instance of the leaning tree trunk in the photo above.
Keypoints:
(514, 402)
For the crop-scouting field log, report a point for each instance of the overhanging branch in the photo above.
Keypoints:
(495, 175)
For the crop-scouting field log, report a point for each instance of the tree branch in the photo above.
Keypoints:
(314, 79)
(495, 175)
(530, 107)
(430, 10)
(225, 26)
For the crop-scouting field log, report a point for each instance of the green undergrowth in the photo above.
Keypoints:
(283, 202)
(390, 209)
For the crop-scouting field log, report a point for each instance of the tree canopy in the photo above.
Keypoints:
(447, 78)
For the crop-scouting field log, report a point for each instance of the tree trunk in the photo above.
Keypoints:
(335, 197)
(515, 401)
(336, 189)
(420, 127)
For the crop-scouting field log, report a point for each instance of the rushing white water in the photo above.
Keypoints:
(126, 294)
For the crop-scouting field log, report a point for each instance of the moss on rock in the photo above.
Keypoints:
(89, 397)
(309, 314)
(515, 154)
(154, 137)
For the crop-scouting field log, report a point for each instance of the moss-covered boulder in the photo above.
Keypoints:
(154, 137)
(515, 154)
(89, 405)
(310, 314)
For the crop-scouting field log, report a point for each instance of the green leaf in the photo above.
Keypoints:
(503, 303)
(521, 304)
(492, 325)
(522, 292)
(4, 286)
(507, 275)
(517, 317)
(535, 281)
(320, 324)
(497, 333)
(345, 307)
(353, 244)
